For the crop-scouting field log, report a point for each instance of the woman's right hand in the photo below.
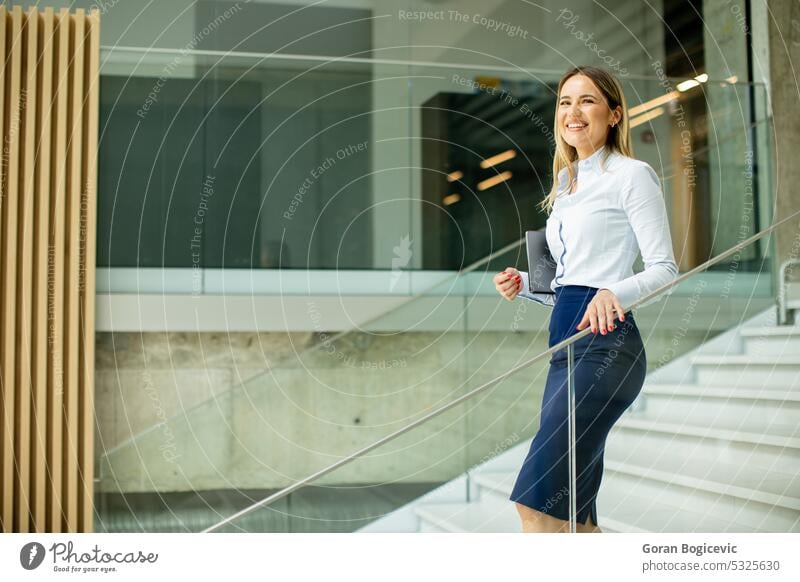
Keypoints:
(508, 283)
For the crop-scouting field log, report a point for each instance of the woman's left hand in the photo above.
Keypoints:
(600, 312)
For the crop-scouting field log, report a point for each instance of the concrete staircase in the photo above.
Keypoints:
(711, 445)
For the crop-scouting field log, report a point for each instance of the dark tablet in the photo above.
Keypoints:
(541, 266)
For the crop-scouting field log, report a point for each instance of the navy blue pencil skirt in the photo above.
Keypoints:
(609, 373)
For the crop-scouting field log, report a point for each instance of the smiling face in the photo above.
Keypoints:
(584, 116)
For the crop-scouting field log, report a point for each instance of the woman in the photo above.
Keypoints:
(604, 208)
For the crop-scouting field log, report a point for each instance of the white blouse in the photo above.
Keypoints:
(595, 233)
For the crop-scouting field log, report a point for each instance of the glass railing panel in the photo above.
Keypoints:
(377, 483)
(169, 477)
(502, 336)
(295, 421)
(311, 406)
(687, 477)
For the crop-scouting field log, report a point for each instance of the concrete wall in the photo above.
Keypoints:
(297, 414)
(784, 59)
(303, 413)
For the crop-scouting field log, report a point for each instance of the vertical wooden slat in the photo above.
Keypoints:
(57, 268)
(72, 275)
(91, 114)
(40, 473)
(6, 415)
(30, 38)
(9, 261)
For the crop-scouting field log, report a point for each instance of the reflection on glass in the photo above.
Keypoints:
(279, 163)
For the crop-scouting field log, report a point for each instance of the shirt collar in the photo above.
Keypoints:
(592, 163)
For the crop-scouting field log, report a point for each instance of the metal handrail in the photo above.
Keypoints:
(372, 60)
(559, 346)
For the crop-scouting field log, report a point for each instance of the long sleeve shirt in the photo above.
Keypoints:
(595, 233)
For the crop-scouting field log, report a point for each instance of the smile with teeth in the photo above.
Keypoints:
(576, 126)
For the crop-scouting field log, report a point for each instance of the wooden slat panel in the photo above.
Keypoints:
(9, 261)
(6, 419)
(57, 268)
(40, 474)
(25, 270)
(72, 275)
(90, 153)
(49, 105)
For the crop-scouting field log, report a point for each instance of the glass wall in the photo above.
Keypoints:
(398, 137)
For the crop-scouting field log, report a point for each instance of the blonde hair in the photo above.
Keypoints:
(619, 135)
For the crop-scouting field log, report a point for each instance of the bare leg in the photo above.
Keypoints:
(537, 522)
(587, 527)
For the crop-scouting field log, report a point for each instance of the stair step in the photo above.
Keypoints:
(641, 514)
(619, 510)
(781, 371)
(773, 411)
(727, 392)
(750, 460)
(675, 506)
(498, 484)
(774, 331)
(770, 344)
(481, 517)
(643, 423)
(621, 481)
(742, 493)
(706, 454)
(484, 517)
(747, 359)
